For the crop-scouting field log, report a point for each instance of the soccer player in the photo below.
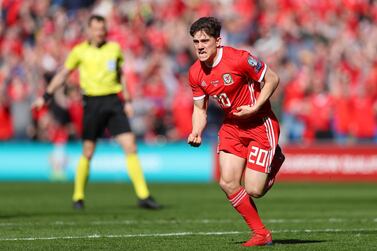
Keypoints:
(248, 138)
(99, 63)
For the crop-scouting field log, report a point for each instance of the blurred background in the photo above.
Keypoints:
(325, 53)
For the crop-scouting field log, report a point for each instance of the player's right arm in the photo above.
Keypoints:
(199, 121)
(57, 81)
(72, 61)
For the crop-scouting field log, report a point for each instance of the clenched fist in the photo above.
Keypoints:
(194, 139)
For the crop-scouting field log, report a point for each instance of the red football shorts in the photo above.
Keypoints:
(256, 143)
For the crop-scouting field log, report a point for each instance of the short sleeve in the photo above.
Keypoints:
(120, 56)
(73, 59)
(253, 67)
(197, 91)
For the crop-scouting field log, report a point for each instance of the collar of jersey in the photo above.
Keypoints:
(218, 59)
(101, 45)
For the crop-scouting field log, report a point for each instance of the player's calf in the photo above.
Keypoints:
(276, 164)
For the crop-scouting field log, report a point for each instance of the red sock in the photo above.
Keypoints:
(245, 206)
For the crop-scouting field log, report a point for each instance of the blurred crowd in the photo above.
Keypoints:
(325, 53)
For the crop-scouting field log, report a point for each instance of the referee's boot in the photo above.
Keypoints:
(149, 203)
(78, 204)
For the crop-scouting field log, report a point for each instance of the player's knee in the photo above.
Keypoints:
(254, 192)
(128, 142)
(129, 148)
(88, 153)
(229, 187)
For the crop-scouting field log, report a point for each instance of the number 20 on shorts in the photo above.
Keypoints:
(258, 156)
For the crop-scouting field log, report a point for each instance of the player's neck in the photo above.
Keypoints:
(97, 44)
(216, 59)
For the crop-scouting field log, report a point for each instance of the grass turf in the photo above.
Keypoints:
(38, 216)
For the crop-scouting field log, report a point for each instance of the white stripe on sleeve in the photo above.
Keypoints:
(263, 73)
(200, 97)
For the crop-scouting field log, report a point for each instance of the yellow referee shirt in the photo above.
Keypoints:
(98, 67)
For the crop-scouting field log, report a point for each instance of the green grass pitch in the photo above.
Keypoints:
(38, 216)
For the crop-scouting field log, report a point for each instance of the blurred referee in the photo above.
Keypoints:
(99, 63)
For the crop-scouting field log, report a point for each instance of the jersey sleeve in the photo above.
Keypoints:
(253, 66)
(197, 91)
(120, 56)
(73, 59)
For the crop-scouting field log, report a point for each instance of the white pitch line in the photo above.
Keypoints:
(97, 236)
(199, 221)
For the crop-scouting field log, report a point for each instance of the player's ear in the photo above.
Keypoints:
(218, 41)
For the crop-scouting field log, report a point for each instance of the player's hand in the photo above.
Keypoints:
(245, 111)
(128, 109)
(194, 139)
(38, 103)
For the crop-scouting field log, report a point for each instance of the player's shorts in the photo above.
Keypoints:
(101, 112)
(256, 143)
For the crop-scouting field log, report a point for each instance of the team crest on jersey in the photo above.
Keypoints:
(203, 84)
(253, 62)
(228, 80)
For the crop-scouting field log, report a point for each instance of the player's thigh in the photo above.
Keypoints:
(259, 156)
(118, 121)
(231, 171)
(257, 167)
(94, 119)
(127, 141)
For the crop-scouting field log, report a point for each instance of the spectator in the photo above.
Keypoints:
(334, 41)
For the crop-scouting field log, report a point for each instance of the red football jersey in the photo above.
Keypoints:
(234, 80)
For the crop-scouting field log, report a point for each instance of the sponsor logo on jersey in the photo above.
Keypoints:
(228, 80)
(215, 82)
(255, 63)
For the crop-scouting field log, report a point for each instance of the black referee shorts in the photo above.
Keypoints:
(101, 112)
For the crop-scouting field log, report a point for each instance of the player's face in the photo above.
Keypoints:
(205, 46)
(97, 31)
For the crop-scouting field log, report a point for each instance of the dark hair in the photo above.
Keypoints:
(97, 18)
(209, 25)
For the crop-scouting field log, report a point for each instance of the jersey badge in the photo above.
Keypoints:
(111, 65)
(203, 84)
(228, 80)
(256, 64)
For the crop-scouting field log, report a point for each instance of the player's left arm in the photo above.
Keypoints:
(271, 82)
(128, 109)
(257, 70)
